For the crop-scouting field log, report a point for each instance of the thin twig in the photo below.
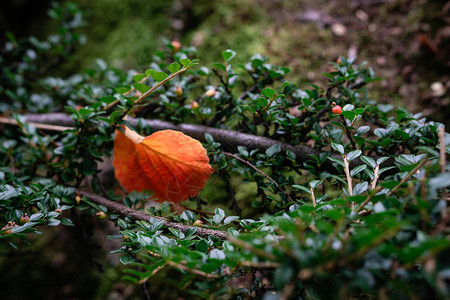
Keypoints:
(443, 162)
(411, 173)
(110, 105)
(225, 84)
(194, 271)
(47, 127)
(347, 174)
(136, 215)
(375, 177)
(349, 134)
(151, 90)
(260, 264)
(313, 198)
(259, 171)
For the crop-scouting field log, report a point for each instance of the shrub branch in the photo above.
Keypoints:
(229, 139)
(136, 215)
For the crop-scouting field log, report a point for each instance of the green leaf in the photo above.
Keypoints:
(243, 151)
(291, 155)
(159, 76)
(202, 246)
(385, 169)
(177, 233)
(338, 147)
(230, 219)
(315, 183)
(354, 154)
(8, 192)
(228, 54)
(219, 215)
(358, 111)
(53, 222)
(363, 129)
(357, 170)
(381, 160)
(440, 181)
(274, 149)
(139, 77)
(127, 259)
(368, 160)
(122, 90)
(348, 107)
(301, 187)
(285, 84)
(67, 222)
(268, 93)
(360, 188)
(219, 66)
(185, 62)
(217, 254)
(338, 161)
(349, 115)
(173, 67)
(141, 87)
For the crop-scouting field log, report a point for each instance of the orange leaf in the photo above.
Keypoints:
(171, 164)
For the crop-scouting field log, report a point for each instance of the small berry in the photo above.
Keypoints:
(337, 109)
(78, 199)
(198, 223)
(58, 210)
(176, 45)
(6, 230)
(194, 104)
(24, 219)
(339, 62)
(178, 91)
(126, 238)
(210, 93)
(101, 215)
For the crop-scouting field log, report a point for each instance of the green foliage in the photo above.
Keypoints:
(363, 214)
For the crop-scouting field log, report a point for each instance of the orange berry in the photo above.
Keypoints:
(24, 219)
(78, 199)
(210, 93)
(101, 215)
(178, 91)
(198, 223)
(176, 45)
(337, 110)
(7, 230)
(194, 104)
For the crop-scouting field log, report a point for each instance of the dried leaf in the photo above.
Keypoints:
(171, 164)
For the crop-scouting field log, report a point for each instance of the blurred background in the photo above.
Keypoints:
(407, 43)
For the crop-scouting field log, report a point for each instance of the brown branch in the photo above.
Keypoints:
(136, 215)
(230, 139)
(47, 127)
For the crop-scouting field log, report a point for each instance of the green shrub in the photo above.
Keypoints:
(304, 203)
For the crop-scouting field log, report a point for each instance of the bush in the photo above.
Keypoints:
(305, 201)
